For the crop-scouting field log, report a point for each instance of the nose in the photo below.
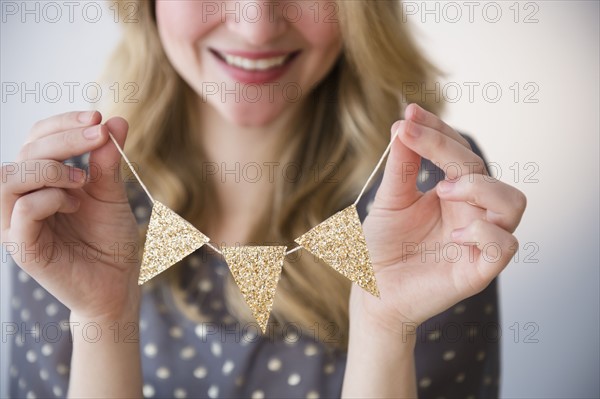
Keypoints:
(257, 22)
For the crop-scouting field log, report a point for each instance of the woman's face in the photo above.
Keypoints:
(250, 60)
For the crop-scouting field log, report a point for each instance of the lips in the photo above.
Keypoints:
(255, 67)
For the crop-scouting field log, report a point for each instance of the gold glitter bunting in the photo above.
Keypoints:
(256, 271)
(169, 239)
(340, 242)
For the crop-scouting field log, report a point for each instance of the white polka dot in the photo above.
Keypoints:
(38, 294)
(213, 392)
(64, 325)
(141, 211)
(31, 356)
(221, 271)
(369, 205)
(31, 395)
(258, 395)
(239, 381)
(472, 332)
(148, 391)
(150, 350)
(200, 330)
(25, 314)
(216, 305)
(187, 353)
(460, 378)
(312, 395)
(47, 349)
(200, 372)
(23, 277)
(228, 367)
(19, 341)
(434, 335)
(480, 356)
(448, 355)
(179, 393)
(291, 337)
(13, 371)
(425, 382)
(458, 309)
(143, 324)
(163, 373)
(250, 336)
(52, 309)
(176, 332)
(216, 349)
(274, 364)
(205, 285)
(311, 350)
(15, 302)
(294, 379)
(57, 391)
(194, 261)
(471, 397)
(487, 380)
(22, 383)
(329, 368)
(489, 308)
(423, 175)
(44, 375)
(62, 369)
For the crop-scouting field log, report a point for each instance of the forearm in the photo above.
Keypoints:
(379, 365)
(107, 364)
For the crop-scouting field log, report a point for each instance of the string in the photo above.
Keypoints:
(208, 244)
(131, 167)
(293, 250)
(387, 150)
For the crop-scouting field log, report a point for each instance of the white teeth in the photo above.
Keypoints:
(254, 65)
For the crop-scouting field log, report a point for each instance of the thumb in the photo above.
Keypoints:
(398, 187)
(106, 183)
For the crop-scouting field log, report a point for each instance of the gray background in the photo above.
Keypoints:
(554, 283)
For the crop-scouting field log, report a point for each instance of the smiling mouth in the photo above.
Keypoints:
(255, 62)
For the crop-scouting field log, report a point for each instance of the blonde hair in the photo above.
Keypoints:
(345, 123)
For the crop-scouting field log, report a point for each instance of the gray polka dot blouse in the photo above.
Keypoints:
(456, 353)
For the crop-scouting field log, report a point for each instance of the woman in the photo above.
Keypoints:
(315, 85)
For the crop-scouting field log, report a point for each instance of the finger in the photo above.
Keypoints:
(31, 211)
(66, 121)
(64, 145)
(446, 153)
(399, 183)
(504, 204)
(106, 184)
(24, 177)
(420, 115)
(495, 246)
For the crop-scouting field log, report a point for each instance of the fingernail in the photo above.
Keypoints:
(85, 117)
(445, 186)
(92, 133)
(457, 234)
(77, 175)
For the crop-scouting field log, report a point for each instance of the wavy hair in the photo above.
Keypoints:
(345, 122)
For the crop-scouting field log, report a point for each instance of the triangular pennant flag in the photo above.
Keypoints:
(340, 242)
(169, 239)
(256, 270)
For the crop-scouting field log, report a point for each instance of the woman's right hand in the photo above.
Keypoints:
(76, 236)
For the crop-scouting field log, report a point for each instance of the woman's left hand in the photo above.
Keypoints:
(431, 250)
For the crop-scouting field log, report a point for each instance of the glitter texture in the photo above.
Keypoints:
(256, 271)
(340, 242)
(169, 239)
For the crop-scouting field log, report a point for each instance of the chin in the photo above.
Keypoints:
(251, 115)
